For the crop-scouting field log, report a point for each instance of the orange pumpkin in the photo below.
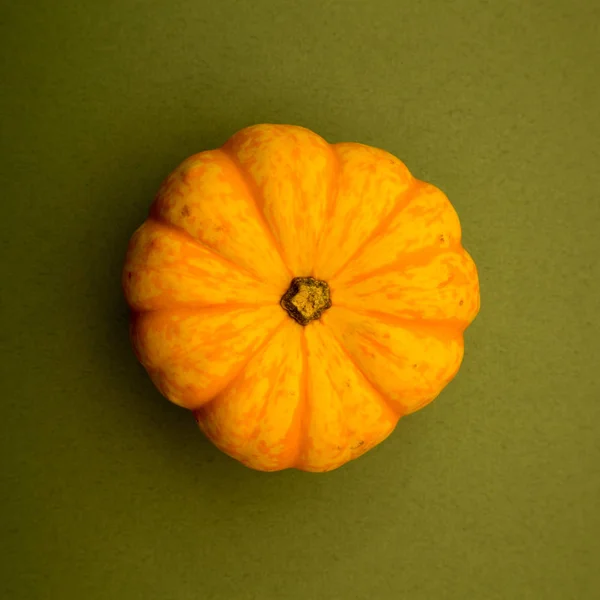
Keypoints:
(298, 296)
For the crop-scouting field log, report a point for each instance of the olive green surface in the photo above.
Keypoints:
(491, 492)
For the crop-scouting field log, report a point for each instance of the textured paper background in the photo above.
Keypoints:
(492, 492)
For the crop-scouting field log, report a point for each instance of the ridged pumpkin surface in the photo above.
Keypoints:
(227, 233)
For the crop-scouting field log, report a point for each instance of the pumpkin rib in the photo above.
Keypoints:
(255, 193)
(349, 432)
(256, 436)
(199, 307)
(244, 364)
(297, 428)
(432, 327)
(165, 364)
(387, 405)
(162, 222)
(343, 421)
(330, 205)
(412, 363)
(334, 191)
(259, 418)
(406, 196)
(139, 315)
(407, 260)
(265, 408)
(267, 339)
(196, 304)
(304, 407)
(445, 287)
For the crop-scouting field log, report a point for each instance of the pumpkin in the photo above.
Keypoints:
(298, 296)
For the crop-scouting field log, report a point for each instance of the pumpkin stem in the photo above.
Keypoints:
(306, 299)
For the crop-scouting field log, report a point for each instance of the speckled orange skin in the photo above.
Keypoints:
(226, 234)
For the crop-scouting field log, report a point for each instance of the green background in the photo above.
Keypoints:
(109, 492)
